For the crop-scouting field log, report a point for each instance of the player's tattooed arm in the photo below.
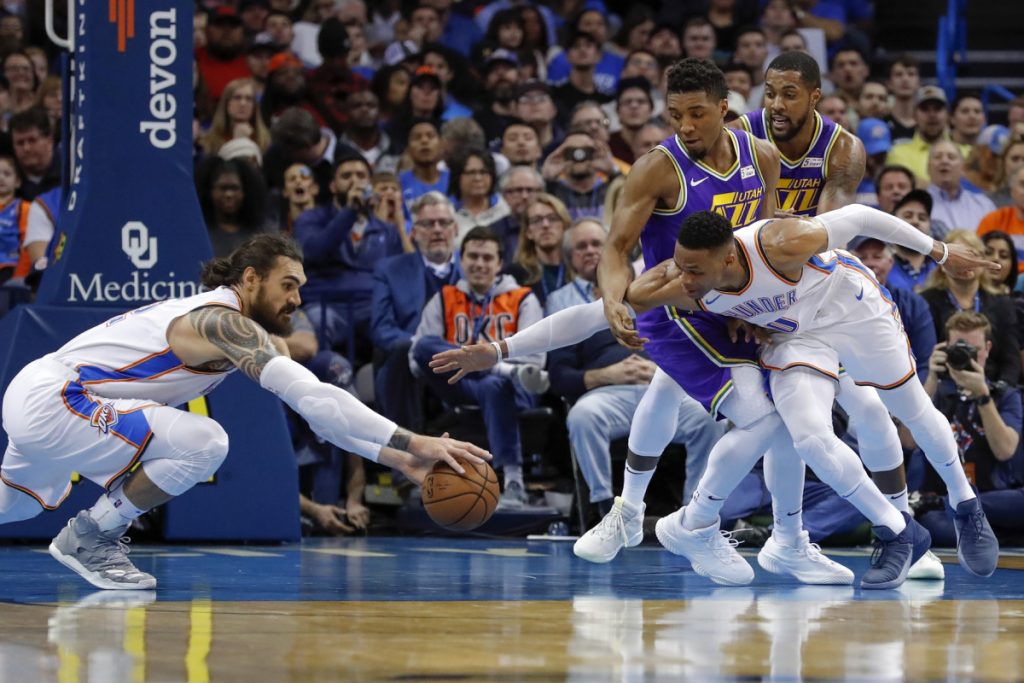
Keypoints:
(400, 439)
(243, 342)
(844, 173)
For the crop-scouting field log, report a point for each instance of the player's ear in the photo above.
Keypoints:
(250, 277)
(815, 97)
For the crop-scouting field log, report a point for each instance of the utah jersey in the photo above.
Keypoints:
(129, 356)
(800, 180)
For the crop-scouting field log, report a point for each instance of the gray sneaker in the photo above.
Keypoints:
(99, 557)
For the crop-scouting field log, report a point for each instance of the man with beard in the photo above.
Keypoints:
(362, 132)
(571, 176)
(520, 144)
(501, 76)
(102, 404)
(222, 60)
(287, 88)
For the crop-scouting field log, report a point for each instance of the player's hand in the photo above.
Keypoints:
(937, 361)
(622, 325)
(473, 358)
(358, 514)
(431, 449)
(331, 519)
(965, 262)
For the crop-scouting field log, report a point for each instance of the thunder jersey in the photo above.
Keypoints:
(128, 356)
(800, 180)
(770, 299)
(736, 194)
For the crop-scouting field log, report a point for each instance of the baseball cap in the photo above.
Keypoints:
(920, 196)
(575, 34)
(532, 85)
(875, 136)
(400, 51)
(426, 73)
(225, 15)
(501, 56)
(995, 138)
(930, 93)
(283, 60)
(262, 41)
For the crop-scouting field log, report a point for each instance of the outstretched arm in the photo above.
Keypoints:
(332, 413)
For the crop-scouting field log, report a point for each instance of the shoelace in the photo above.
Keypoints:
(611, 525)
(723, 545)
(878, 554)
(813, 551)
(117, 555)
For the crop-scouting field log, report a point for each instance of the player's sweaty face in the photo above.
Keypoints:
(697, 118)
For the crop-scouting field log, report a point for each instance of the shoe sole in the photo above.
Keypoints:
(604, 559)
(90, 576)
(770, 563)
(664, 540)
(888, 585)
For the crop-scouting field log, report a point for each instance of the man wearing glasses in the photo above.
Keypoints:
(519, 185)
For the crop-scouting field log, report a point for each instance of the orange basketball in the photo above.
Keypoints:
(460, 502)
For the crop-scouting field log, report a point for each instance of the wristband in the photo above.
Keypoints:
(497, 350)
(945, 253)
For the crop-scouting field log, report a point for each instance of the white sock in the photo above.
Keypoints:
(784, 476)
(876, 507)
(513, 473)
(899, 500)
(702, 510)
(113, 510)
(634, 485)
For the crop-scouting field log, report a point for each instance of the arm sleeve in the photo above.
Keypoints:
(567, 327)
(857, 220)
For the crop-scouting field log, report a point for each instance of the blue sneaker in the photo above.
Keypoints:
(976, 544)
(922, 541)
(892, 557)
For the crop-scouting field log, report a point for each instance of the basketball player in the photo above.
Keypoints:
(821, 166)
(822, 307)
(102, 403)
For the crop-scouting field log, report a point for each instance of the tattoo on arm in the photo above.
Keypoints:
(844, 177)
(243, 341)
(400, 439)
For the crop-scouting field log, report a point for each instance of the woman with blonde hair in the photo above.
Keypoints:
(947, 293)
(540, 262)
(237, 116)
(51, 98)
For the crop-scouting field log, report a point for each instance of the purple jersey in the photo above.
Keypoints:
(800, 180)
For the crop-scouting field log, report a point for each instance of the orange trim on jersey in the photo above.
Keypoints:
(29, 492)
(800, 364)
(767, 263)
(894, 385)
(131, 464)
(64, 397)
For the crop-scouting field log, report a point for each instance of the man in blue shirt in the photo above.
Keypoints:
(426, 175)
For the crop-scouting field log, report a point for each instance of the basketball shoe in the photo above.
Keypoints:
(622, 527)
(928, 567)
(711, 551)
(803, 561)
(976, 544)
(894, 553)
(99, 557)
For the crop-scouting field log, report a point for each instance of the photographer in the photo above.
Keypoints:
(986, 419)
(342, 242)
(571, 174)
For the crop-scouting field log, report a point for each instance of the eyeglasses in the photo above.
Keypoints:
(594, 123)
(521, 190)
(434, 222)
(541, 220)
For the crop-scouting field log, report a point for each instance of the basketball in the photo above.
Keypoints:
(460, 502)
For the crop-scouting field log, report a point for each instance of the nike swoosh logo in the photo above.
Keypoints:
(708, 302)
(790, 514)
(710, 497)
(695, 184)
(861, 294)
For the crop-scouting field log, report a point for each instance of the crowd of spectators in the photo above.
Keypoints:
(451, 169)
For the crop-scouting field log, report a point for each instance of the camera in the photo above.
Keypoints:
(959, 355)
(579, 154)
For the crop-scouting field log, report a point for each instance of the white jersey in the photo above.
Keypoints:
(770, 299)
(128, 356)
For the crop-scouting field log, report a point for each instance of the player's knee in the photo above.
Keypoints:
(16, 506)
(821, 457)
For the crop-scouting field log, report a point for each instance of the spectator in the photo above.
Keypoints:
(330, 83)
(243, 149)
(359, 58)
(51, 99)
(488, 307)
(875, 136)
(287, 88)
(728, 19)
(999, 247)
(233, 199)
(664, 43)
(473, 186)
(904, 82)
(947, 293)
(280, 29)
(535, 107)
(642, 63)
(966, 120)
(307, 30)
(237, 117)
(605, 382)
(459, 31)
(424, 101)
(571, 174)
(794, 41)
(590, 118)
(540, 262)
(914, 311)
(894, 182)
(343, 241)
(835, 107)
(829, 17)
(583, 52)
(699, 39)
(402, 285)
(602, 76)
(258, 55)
(930, 116)
(458, 136)
(253, 14)
(222, 59)
(456, 87)
(426, 174)
(32, 139)
(23, 83)
(1009, 219)
(12, 32)
(518, 185)
(873, 102)
(981, 170)
(505, 32)
(362, 132)
(391, 86)
(539, 22)
(911, 269)
(635, 108)
(299, 193)
(986, 419)
(849, 72)
(501, 77)
(14, 219)
(776, 21)
(751, 51)
(955, 206)
(1016, 114)
(538, 33)
(1012, 160)
(520, 145)
(740, 81)
(634, 32)
(296, 138)
(651, 135)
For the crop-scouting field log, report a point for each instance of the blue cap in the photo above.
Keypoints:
(875, 135)
(995, 138)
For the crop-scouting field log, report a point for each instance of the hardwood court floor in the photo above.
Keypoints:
(476, 610)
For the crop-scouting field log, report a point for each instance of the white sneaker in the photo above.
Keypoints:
(804, 562)
(711, 551)
(622, 527)
(929, 567)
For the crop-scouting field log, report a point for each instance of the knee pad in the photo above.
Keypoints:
(815, 451)
(748, 401)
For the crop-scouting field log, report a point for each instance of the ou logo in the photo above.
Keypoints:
(138, 245)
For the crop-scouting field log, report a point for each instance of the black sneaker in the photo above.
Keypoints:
(976, 543)
(892, 557)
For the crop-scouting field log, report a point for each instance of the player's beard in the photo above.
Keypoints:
(793, 131)
(270, 318)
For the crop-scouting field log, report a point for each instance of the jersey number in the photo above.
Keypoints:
(787, 325)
